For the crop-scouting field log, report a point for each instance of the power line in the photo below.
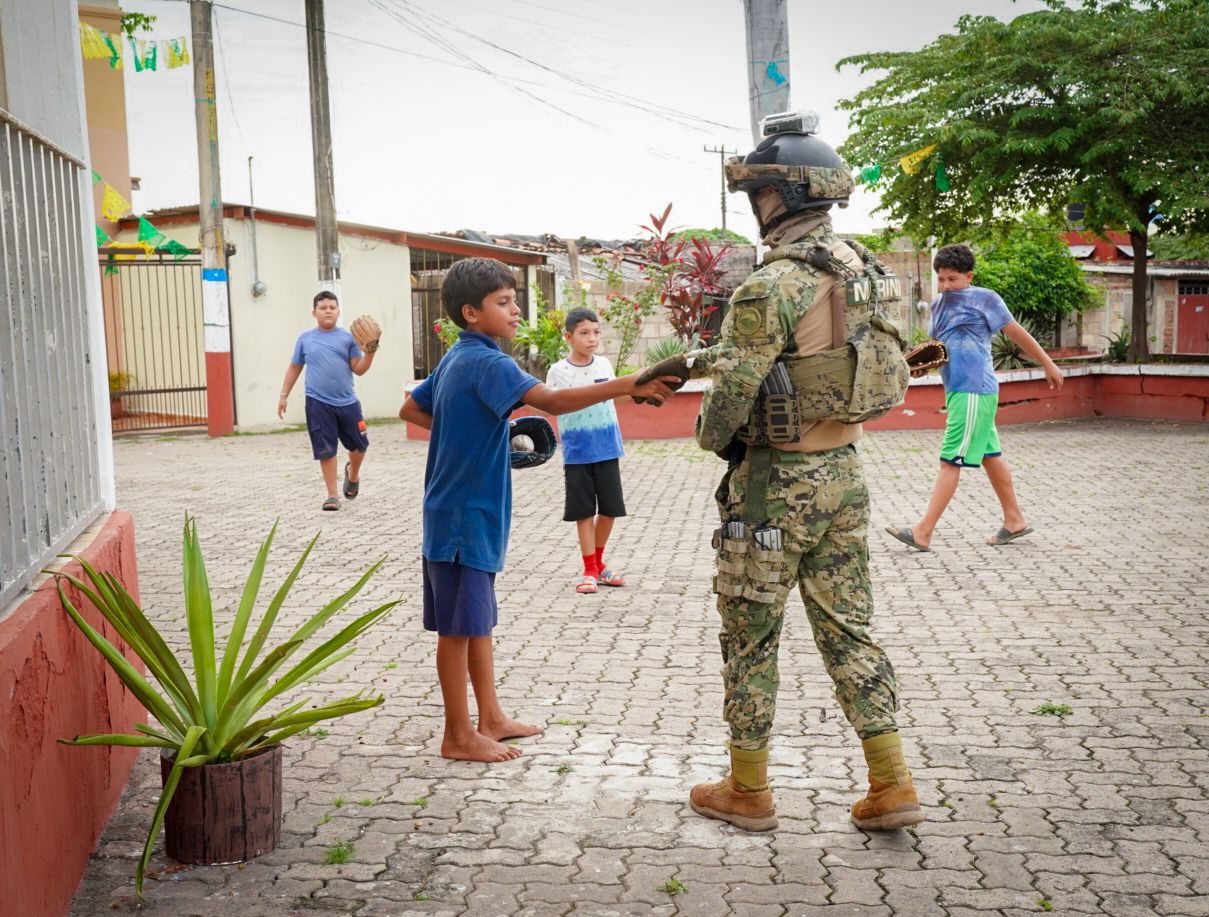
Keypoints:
(593, 92)
(424, 31)
(537, 22)
(654, 108)
(552, 9)
(222, 62)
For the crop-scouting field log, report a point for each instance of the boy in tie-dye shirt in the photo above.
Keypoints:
(591, 441)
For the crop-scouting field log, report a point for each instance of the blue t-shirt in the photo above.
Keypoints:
(592, 434)
(325, 354)
(468, 480)
(965, 321)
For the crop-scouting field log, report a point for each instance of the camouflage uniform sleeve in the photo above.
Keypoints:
(753, 335)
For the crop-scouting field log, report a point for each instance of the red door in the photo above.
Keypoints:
(1192, 328)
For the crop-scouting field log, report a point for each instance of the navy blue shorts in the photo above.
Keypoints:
(459, 601)
(330, 424)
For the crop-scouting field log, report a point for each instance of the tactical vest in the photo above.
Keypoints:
(862, 377)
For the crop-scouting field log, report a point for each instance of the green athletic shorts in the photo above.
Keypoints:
(970, 434)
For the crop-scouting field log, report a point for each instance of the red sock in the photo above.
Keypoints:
(600, 565)
(590, 567)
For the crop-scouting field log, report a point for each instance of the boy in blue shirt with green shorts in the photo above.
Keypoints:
(965, 318)
(466, 403)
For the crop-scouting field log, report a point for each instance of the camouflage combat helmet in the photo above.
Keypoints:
(807, 172)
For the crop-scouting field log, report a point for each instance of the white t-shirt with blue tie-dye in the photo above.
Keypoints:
(590, 435)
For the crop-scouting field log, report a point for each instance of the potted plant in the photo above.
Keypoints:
(216, 741)
(118, 383)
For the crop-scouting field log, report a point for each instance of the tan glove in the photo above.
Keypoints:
(366, 332)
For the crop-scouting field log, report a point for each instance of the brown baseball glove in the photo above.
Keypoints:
(925, 356)
(366, 332)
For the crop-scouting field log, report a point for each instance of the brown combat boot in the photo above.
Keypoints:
(887, 807)
(751, 810)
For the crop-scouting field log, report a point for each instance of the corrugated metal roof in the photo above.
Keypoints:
(1127, 251)
(1151, 271)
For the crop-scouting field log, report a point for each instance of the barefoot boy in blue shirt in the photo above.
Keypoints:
(468, 493)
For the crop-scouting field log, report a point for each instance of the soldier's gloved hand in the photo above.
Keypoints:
(676, 365)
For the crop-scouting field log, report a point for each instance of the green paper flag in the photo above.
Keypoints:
(178, 251)
(102, 238)
(942, 177)
(149, 234)
(96, 179)
(870, 174)
(110, 269)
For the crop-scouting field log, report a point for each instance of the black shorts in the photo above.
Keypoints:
(593, 490)
(329, 424)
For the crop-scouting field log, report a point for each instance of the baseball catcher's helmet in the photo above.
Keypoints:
(539, 430)
(807, 172)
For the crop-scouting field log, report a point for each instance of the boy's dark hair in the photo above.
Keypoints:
(957, 257)
(469, 282)
(575, 316)
(321, 296)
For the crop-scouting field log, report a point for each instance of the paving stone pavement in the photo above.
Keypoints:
(1103, 811)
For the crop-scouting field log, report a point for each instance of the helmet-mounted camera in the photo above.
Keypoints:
(790, 122)
(805, 171)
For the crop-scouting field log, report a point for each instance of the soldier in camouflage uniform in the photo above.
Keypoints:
(797, 513)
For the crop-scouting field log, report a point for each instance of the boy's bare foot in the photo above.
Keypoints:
(477, 747)
(506, 728)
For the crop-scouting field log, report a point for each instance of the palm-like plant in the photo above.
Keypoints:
(214, 718)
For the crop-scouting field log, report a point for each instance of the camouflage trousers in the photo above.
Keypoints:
(811, 532)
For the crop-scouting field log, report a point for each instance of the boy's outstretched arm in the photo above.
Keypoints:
(413, 413)
(565, 400)
(360, 366)
(1053, 375)
(292, 372)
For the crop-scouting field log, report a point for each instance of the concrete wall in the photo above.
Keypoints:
(41, 69)
(54, 684)
(1147, 392)
(1093, 327)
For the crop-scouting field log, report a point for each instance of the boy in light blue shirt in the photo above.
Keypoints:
(965, 318)
(591, 441)
(333, 414)
(468, 493)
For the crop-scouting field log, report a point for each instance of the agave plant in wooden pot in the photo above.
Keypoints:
(221, 753)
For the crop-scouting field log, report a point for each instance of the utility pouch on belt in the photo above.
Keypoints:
(774, 418)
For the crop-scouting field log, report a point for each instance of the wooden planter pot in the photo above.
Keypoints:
(224, 813)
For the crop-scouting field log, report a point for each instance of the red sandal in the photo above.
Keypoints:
(586, 585)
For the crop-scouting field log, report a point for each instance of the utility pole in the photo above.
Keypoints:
(767, 25)
(722, 152)
(216, 308)
(326, 235)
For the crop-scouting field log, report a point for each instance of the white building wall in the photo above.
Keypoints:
(375, 280)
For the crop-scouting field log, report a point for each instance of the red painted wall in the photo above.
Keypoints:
(1183, 399)
(55, 799)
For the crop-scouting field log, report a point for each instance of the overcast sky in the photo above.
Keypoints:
(458, 134)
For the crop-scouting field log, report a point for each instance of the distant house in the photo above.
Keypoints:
(393, 274)
(1177, 307)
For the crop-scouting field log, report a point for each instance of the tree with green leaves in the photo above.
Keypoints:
(1032, 269)
(1105, 103)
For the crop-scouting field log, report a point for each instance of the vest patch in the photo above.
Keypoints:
(861, 289)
